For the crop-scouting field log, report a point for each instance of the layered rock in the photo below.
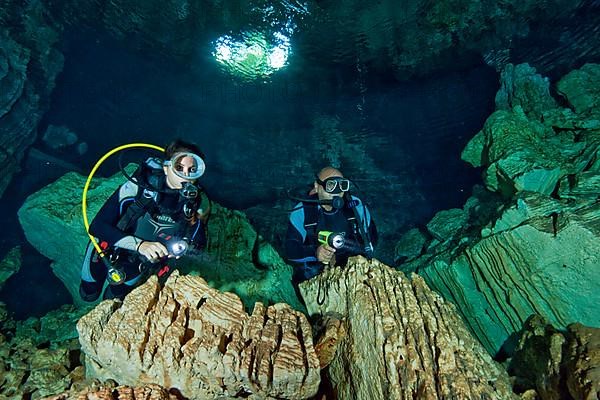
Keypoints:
(236, 257)
(532, 251)
(557, 365)
(398, 339)
(29, 64)
(200, 341)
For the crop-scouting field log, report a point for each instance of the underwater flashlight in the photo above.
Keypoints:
(335, 240)
(178, 247)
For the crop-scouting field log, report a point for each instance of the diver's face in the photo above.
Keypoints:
(184, 166)
(322, 193)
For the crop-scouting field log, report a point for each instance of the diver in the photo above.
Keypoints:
(150, 220)
(328, 227)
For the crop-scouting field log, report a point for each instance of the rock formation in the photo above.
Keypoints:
(200, 341)
(29, 64)
(39, 357)
(557, 365)
(531, 249)
(10, 264)
(397, 339)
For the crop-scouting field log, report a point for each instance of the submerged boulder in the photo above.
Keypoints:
(398, 339)
(192, 337)
(557, 364)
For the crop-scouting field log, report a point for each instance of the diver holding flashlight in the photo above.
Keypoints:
(328, 208)
(150, 221)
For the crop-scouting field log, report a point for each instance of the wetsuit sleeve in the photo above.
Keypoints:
(296, 248)
(104, 224)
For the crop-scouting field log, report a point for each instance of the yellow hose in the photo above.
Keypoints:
(89, 179)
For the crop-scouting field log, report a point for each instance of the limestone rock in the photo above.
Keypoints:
(582, 361)
(580, 87)
(402, 340)
(200, 341)
(29, 64)
(10, 264)
(529, 148)
(522, 86)
(543, 262)
(557, 365)
(36, 364)
(410, 245)
(447, 223)
(236, 258)
(108, 392)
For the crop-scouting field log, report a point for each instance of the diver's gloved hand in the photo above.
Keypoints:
(153, 251)
(326, 254)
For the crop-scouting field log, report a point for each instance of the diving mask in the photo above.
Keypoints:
(335, 184)
(186, 165)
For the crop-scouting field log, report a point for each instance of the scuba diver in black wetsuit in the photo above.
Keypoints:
(150, 220)
(328, 227)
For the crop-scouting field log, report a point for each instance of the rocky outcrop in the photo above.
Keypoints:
(236, 258)
(39, 357)
(10, 264)
(200, 341)
(29, 64)
(531, 249)
(110, 392)
(398, 339)
(557, 365)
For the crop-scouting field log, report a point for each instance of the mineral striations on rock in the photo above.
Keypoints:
(535, 252)
(200, 341)
(402, 340)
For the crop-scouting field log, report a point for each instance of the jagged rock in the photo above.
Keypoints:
(29, 64)
(402, 341)
(524, 154)
(236, 257)
(539, 254)
(581, 89)
(410, 245)
(55, 327)
(447, 223)
(582, 361)
(522, 86)
(557, 365)
(189, 336)
(109, 392)
(10, 264)
(33, 365)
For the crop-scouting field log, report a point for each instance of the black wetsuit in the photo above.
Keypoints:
(166, 219)
(308, 219)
